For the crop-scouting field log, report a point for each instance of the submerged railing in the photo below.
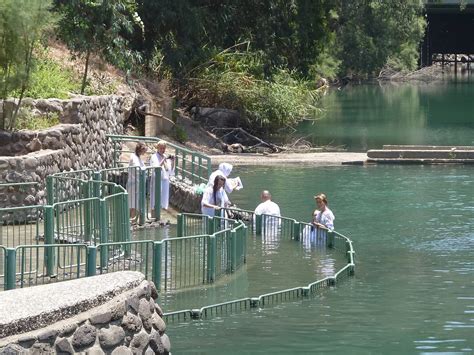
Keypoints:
(276, 227)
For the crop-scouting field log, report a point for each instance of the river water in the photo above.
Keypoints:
(369, 116)
(413, 232)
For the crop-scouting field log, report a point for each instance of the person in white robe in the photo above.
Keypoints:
(323, 218)
(269, 208)
(167, 165)
(134, 166)
(224, 170)
(214, 197)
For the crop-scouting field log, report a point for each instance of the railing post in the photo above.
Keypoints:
(126, 224)
(258, 224)
(49, 190)
(142, 197)
(157, 207)
(95, 214)
(176, 160)
(296, 231)
(88, 214)
(244, 241)
(200, 169)
(233, 251)
(330, 239)
(211, 258)
(91, 261)
(183, 165)
(210, 225)
(49, 239)
(10, 269)
(209, 167)
(180, 226)
(104, 231)
(157, 247)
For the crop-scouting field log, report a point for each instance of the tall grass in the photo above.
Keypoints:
(236, 81)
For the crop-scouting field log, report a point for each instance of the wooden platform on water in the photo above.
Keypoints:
(421, 154)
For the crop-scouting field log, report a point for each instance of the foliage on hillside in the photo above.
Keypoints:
(290, 45)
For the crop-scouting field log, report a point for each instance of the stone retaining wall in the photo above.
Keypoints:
(184, 198)
(118, 316)
(79, 142)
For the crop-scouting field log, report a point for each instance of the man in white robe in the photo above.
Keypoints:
(267, 207)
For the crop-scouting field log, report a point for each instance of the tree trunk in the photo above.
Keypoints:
(86, 69)
(24, 85)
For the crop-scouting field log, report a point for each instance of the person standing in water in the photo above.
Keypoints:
(323, 218)
(214, 197)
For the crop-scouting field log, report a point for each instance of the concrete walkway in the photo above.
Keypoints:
(319, 159)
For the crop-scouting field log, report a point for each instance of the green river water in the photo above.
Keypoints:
(412, 228)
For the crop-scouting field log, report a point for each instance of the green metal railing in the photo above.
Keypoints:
(89, 211)
(272, 227)
(21, 225)
(190, 166)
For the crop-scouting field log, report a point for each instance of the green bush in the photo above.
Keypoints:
(50, 80)
(236, 81)
(26, 120)
(180, 134)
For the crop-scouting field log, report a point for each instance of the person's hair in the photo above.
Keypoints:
(215, 186)
(321, 197)
(140, 148)
(160, 144)
(266, 194)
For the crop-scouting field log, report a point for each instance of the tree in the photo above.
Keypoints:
(371, 32)
(97, 26)
(23, 23)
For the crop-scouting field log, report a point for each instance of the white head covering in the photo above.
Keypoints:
(225, 168)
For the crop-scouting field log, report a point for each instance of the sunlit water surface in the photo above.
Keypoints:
(413, 290)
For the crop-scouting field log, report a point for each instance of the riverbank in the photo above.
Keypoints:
(318, 159)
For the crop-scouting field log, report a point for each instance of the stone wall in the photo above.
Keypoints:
(107, 314)
(184, 198)
(79, 142)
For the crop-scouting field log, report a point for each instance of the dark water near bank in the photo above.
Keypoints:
(413, 292)
(368, 116)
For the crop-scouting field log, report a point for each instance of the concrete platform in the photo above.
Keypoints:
(411, 154)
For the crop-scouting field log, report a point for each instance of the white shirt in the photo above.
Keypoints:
(269, 208)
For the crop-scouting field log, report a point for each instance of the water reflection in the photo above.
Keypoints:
(369, 116)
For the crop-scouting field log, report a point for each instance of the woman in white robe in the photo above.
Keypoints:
(133, 177)
(167, 169)
(214, 197)
(323, 218)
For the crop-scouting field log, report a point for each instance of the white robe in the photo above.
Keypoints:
(208, 197)
(224, 170)
(269, 208)
(133, 180)
(167, 170)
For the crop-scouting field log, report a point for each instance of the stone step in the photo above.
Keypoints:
(427, 147)
(420, 161)
(453, 154)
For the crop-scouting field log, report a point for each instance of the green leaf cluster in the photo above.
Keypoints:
(23, 23)
(235, 80)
